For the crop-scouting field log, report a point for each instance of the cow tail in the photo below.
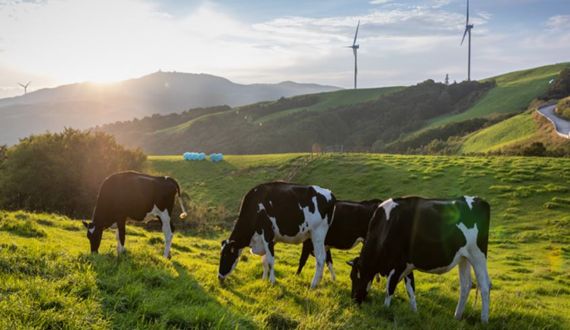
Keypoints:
(184, 214)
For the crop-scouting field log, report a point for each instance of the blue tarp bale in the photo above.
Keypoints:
(215, 158)
(194, 156)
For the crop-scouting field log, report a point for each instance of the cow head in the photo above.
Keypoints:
(94, 235)
(361, 281)
(228, 259)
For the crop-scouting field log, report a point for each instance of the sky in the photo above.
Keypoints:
(55, 42)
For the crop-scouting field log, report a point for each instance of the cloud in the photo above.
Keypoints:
(378, 2)
(558, 22)
(63, 41)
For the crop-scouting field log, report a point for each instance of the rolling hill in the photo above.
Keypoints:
(356, 119)
(84, 105)
(49, 280)
(394, 119)
(513, 93)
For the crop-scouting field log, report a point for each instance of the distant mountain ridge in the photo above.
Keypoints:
(84, 105)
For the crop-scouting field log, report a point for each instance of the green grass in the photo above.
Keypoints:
(563, 108)
(49, 280)
(515, 129)
(336, 99)
(513, 93)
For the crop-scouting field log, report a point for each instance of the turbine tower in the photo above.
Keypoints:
(25, 87)
(468, 28)
(355, 51)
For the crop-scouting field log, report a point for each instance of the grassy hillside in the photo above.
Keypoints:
(516, 133)
(331, 100)
(515, 129)
(360, 119)
(513, 93)
(48, 280)
(415, 119)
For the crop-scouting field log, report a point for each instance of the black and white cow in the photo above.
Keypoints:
(430, 235)
(349, 227)
(279, 212)
(134, 196)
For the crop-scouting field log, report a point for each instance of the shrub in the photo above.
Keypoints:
(560, 88)
(3, 151)
(61, 172)
(535, 149)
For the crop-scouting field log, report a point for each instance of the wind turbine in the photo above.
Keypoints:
(468, 28)
(25, 87)
(354, 50)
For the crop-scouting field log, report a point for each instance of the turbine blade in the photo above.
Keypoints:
(356, 34)
(467, 21)
(464, 34)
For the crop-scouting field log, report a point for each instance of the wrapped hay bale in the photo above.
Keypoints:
(216, 157)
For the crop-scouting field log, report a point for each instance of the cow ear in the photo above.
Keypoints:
(85, 223)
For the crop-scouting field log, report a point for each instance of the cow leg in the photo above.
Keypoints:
(465, 286)
(307, 249)
(265, 266)
(120, 233)
(411, 288)
(479, 263)
(269, 258)
(318, 237)
(391, 283)
(330, 265)
(167, 230)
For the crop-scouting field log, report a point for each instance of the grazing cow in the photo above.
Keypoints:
(279, 212)
(135, 196)
(430, 235)
(349, 227)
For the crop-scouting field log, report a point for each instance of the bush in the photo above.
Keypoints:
(61, 172)
(560, 88)
(535, 149)
(3, 151)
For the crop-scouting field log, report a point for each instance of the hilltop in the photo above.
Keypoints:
(84, 105)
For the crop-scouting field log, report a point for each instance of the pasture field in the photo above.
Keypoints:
(49, 280)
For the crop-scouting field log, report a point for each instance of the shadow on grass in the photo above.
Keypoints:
(436, 311)
(143, 290)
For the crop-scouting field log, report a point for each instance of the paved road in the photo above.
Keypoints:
(562, 126)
